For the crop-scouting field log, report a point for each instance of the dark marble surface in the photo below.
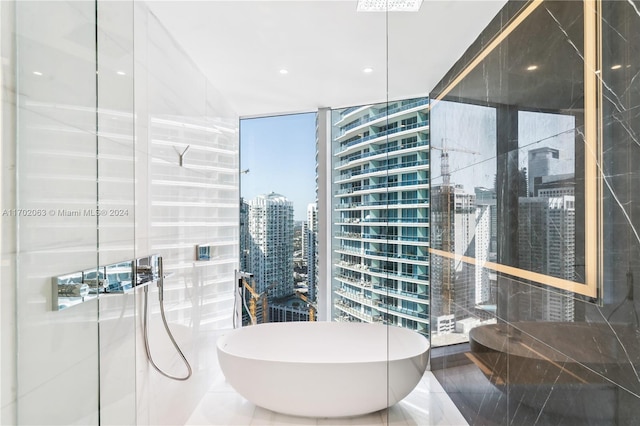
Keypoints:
(552, 357)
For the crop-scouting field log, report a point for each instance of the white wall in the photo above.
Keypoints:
(180, 207)
(58, 367)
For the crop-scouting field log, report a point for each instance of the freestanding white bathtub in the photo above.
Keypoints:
(323, 369)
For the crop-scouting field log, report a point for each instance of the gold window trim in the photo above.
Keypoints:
(592, 157)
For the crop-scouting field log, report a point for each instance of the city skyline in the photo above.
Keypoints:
(279, 152)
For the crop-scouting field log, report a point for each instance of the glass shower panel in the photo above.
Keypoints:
(116, 204)
(57, 367)
(404, 287)
(513, 192)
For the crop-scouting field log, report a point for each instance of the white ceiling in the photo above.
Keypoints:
(241, 46)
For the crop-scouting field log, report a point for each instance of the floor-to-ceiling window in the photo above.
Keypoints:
(278, 222)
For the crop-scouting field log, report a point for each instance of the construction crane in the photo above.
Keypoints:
(253, 302)
(312, 309)
(447, 200)
(444, 160)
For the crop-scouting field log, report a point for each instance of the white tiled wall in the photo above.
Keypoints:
(188, 205)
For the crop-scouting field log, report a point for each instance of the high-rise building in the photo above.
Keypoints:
(454, 281)
(271, 249)
(381, 204)
(245, 237)
(543, 161)
(485, 239)
(550, 252)
(310, 235)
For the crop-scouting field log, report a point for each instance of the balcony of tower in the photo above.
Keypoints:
(384, 187)
(346, 318)
(400, 294)
(352, 113)
(347, 206)
(351, 266)
(378, 137)
(355, 175)
(358, 298)
(404, 109)
(422, 260)
(398, 275)
(396, 239)
(420, 145)
(396, 221)
(360, 281)
(350, 251)
(351, 303)
(422, 316)
(353, 311)
(407, 203)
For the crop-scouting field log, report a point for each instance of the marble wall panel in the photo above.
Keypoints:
(539, 352)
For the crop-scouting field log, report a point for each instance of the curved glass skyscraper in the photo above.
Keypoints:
(381, 214)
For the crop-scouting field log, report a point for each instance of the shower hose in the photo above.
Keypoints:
(166, 327)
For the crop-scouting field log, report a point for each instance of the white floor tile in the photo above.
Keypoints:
(427, 405)
(223, 409)
(372, 419)
(264, 417)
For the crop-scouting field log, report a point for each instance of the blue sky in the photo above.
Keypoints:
(280, 155)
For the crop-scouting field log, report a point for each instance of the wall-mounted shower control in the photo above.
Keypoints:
(77, 287)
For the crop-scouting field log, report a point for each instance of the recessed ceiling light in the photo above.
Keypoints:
(367, 70)
(532, 67)
(37, 73)
(389, 5)
(121, 73)
(616, 67)
(284, 71)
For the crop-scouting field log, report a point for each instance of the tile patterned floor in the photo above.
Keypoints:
(427, 405)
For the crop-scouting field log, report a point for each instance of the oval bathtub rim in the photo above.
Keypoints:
(424, 350)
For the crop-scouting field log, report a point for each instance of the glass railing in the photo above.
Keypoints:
(352, 280)
(381, 134)
(396, 166)
(350, 126)
(387, 113)
(348, 235)
(399, 108)
(400, 292)
(343, 206)
(412, 201)
(357, 298)
(382, 185)
(405, 311)
(396, 255)
(349, 111)
(397, 273)
(356, 313)
(395, 202)
(389, 167)
(349, 220)
(394, 238)
(381, 151)
(358, 266)
(349, 250)
(396, 220)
